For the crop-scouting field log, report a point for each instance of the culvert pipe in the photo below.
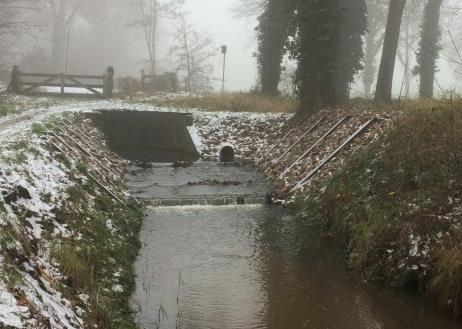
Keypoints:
(227, 153)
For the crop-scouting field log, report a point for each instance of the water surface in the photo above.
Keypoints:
(253, 266)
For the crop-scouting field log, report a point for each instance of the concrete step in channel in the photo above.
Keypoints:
(203, 183)
(222, 200)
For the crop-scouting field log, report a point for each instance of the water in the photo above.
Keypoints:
(253, 266)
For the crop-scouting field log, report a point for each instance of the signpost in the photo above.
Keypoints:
(224, 50)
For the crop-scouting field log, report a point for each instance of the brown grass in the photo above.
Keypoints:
(399, 189)
(232, 102)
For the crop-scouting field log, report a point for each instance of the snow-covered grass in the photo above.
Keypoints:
(12, 104)
(69, 90)
(62, 237)
(3, 87)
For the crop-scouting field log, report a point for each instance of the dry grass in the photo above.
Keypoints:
(399, 203)
(233, 102)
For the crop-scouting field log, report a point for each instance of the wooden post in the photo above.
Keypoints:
(15, 83)
(143, 77)
(173, 82)
(62, 78)
(108, 83)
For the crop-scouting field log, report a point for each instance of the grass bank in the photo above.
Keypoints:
(398, 206)
(13, 104)
(232, 102)
(67, 245)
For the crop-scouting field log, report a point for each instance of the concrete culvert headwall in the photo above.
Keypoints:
(148, 136)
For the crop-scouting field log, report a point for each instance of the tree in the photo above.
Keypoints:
(390, 47)
(151, 12)
(249, 8)
(16, 20)
(429, 47)
(410, 25)
(376, 21)
(63, 13)
(327, 43)
(193, 53)
(272, 35)
(350, 47)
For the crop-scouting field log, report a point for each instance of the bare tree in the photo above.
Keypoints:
(410, 25)
(377, 13)
(16, 21)
(151, 13)
(390, 47)
(249, 8)
(63, 13)
(194, 52)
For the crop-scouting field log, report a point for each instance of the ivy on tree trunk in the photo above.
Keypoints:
(429, 48)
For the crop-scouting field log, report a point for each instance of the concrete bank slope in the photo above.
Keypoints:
(68, 228)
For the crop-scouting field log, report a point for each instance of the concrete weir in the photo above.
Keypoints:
(148, 136)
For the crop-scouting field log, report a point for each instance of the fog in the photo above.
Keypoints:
(92, 35)
(218, 18)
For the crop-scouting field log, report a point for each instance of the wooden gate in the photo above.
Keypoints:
(167, 82)
(26, 83)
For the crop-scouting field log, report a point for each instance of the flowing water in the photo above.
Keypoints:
(249, 266)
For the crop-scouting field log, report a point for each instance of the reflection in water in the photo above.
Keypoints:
(257, 267)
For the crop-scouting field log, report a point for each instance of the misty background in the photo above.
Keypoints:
(85, 37)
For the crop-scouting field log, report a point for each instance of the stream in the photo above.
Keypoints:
(208, 262)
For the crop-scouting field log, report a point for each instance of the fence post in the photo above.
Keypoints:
(15, 83)
(108, 83)
(174, 82)
(143, 82)
(62, 79)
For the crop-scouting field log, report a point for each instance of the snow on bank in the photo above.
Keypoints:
(3, 87)
(45, 180)
(9, 310)
(32, 184)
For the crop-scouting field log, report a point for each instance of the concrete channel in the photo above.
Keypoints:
(216, 255)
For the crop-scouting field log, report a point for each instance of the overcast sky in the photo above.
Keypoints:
(216, 17)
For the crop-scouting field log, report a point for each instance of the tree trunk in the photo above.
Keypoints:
(370, 51)
(390, 47)
(407, 62)
(273, 29)
(369, 69)
(429, 47)
(153, 46)
(58, 48)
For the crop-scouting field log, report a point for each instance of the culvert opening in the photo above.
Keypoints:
(165, 170)
(227, 154)
(155, 137)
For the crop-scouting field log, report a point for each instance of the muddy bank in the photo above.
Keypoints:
(68, 229)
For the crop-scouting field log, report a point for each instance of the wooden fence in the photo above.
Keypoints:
(99, 85)
(167, 82)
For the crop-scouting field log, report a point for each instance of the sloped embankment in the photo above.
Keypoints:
(68, 230)
(394, 193)
(287, 148)
(399, 205)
